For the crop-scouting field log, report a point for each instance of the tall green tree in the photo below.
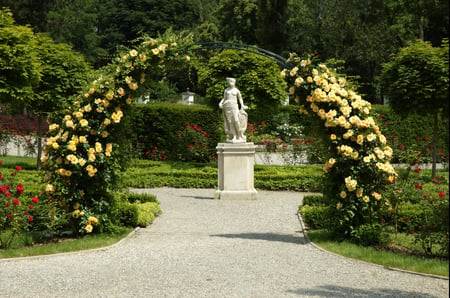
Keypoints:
(75, 22)
(271, 30)
(416, 81)
(19, 63)
(64, 72)
(238, 20)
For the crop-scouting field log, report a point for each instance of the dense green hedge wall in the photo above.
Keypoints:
(159, 124)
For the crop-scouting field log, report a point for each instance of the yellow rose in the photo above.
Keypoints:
(187, 58)
(84, 123)
(49, 188)
(121, 91)
(53, 127)
(55, 146)
(366, 199)
(155, 51)
(298, 81)
(133, 53)
(69, 123)
(371, 137)
(82, 139)
(339, 206)
(309, 79)
(89, 228)
(333, 137)
(98, 147)
(82, 162)
(105, 134)
(293, 71)
(343, 194)
(78, 114)
(143, 57)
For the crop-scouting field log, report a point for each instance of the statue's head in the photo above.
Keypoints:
(231, 81)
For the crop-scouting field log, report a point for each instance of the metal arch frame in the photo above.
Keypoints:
(282, 61)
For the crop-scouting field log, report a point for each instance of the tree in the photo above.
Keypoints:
(75, 22)
(238, 20)
(271, 30)
(64, 73)
(258, 79)
(416, 81)
(19, 64)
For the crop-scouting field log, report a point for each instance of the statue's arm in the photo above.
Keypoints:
(241, 101)
(221, 102)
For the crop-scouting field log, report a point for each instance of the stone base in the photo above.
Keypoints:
(235, 171)
(235, 195)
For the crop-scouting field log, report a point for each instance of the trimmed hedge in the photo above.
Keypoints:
(314, 200)
(159, 125)
(135, 210)
(316, 217)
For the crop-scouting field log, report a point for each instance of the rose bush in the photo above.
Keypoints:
(16, 211)
(82, 155)
(358, 166)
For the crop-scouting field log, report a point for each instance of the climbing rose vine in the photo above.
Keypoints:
(82, 153)
(358, 167)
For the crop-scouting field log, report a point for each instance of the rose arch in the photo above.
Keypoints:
(82, 153)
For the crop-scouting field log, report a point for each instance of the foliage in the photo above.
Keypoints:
(369, 235)
(316, 217)
(19, 63)
(410, 135)
(156, 138)
(137, 212)
(416, 79)
(358, 160)
(314, 200)
(256, 77)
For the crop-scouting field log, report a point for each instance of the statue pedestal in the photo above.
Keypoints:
(235, 171)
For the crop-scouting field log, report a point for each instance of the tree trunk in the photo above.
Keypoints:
(434, 145)
(421, 35)
(39, 143)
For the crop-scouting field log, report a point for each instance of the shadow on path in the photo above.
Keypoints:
(336, 291)
(300, 239)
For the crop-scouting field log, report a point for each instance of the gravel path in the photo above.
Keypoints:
(200, 247)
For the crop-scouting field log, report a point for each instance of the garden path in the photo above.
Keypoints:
(200, 247)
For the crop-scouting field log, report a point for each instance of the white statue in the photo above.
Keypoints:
(235, 118)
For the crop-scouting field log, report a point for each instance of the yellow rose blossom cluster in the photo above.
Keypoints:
(116, 116)
(350, 183)
(91, 222)
(91, 170)
(329, 164)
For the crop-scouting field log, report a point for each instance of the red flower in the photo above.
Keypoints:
(9, 216)
(417, 170)
(18, 168)
(19, 189)
(7, 205)
(35, 200)
(405, 219)
(30, 218)
(441, 194)
(31, 206)
(16, 202)
(25, 212)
